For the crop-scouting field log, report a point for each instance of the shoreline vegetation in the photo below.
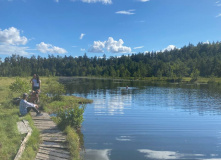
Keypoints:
(58, 104)
(10, 138)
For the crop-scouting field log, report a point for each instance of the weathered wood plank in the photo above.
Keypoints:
(53, 145)
(59, 150)
(47, 128)
(49, 157)
(54, 153)
(50, 131)
(54, 139)
(46, 123)
(52, 135)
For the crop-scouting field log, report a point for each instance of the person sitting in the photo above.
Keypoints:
(33, 98)
(25, 106)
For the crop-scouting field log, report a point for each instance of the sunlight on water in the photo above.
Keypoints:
(151, 122)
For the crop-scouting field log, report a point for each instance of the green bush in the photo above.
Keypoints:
(72, 116)
(19, 86)
(55, 90)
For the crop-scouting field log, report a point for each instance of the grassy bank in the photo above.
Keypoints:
(10, 138)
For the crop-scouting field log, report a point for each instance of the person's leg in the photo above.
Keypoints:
(35, 109)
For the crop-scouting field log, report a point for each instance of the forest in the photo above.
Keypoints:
(203, 59)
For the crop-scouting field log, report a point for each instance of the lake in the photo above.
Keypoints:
(149, 121)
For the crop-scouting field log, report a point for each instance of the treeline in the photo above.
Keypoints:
(189, 61)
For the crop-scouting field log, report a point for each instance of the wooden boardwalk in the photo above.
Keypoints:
(53, 141)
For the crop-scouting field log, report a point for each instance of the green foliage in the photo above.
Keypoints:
(9, 136)
(54, 89)
(19, 86)
(195, 74)
(33, 141)
(72, 116)
(73, 143)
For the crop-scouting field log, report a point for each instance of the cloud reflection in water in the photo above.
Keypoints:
(96, 154)
(113, 104)
(167, 154)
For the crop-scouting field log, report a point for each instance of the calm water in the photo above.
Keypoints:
(149, 122)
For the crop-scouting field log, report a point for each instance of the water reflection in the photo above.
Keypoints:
(178, 121)
(174, 155)
(112, 104)
(96, 154)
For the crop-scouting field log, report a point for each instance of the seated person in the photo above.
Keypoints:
(25, 106)
(33, 98)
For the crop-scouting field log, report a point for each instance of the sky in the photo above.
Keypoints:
(110, 27)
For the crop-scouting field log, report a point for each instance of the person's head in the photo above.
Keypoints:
(34, 76)
(25, 96)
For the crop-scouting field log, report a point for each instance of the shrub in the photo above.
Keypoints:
(19, 86)
(72, 116)
(55, 90)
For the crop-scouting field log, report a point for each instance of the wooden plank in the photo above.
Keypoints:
(22, 147)
(54, 153)
(48, 157)
(51, 131)
(52, 135)
(44, 123)
(47, 128)
(64, 151)
(53, 145)
(54, 139)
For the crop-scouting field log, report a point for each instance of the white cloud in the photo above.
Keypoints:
(83, 50)
(128, 12)
(56, 1)
(110, 45)
(82, 35)
(169, 48)
(138, 47)
(143, 0)
(94, 1)
(217, 1)
(219, 15)
(97, 47)
(7, 49)
(12, 36)
(48, 48)
(207, 42)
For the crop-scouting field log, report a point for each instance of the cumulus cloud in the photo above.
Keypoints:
(7, 49)
(95, 1)
(138, 47)
(143, 0)
(82, 35)
(128, 12)
(110, 45)
(169, 48)
(12, 36)
(48, 48)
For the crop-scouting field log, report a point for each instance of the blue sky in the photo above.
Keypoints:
(111, 27)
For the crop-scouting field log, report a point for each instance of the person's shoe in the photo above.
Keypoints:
(39, 114)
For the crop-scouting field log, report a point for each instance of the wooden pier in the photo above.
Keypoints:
(53, 141)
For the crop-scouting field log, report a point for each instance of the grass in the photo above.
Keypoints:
(73, 143)
(33, 142)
